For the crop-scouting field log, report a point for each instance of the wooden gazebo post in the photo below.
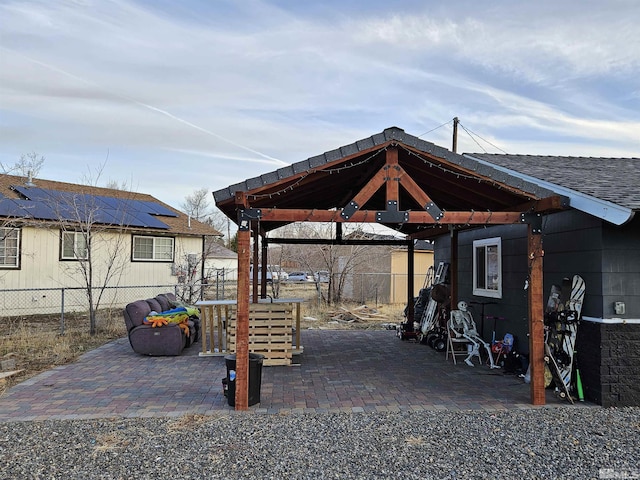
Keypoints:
(410, 282)
(242, 313)
(536, 313)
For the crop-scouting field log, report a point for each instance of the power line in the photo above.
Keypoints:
(469, 132)
(434, 129)
(472, 135)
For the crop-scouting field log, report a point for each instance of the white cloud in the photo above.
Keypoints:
(240, 87)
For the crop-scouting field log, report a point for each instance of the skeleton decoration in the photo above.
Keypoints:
(461, 322)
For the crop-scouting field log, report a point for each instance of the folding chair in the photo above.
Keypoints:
(452, 342)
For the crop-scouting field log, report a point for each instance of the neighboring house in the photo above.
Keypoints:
(51, 229)
(220, 263)
(422, 261)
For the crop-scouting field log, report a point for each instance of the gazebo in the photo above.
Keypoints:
(402, 182)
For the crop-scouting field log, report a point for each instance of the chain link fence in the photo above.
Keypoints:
(51, 301)
(365, 288)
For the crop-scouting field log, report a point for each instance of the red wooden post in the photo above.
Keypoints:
(536, 318)
(242, 313)
(242, 319)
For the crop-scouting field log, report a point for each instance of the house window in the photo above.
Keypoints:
(9, 247)
(74, 246)
(153, 249)
(487, 268)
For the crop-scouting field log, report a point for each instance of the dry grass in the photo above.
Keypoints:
(110, 442)
(36, 345)
(188, 422)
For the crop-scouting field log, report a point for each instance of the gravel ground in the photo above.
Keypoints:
(549, 443)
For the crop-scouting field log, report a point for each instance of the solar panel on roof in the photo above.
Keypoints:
(8, 208)
(18, 208)
(108, 216)
(37, 210)
(93, 200)
(156, 208)
(111, 202)
(147, 220)
(31, 193)
(47, 204)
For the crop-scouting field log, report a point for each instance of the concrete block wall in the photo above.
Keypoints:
(609, 363)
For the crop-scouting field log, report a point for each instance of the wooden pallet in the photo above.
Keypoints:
(212, 329)
(270, 332)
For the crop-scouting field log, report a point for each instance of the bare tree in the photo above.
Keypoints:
(28, 166)
(98, 254)
(95, 245)
(199, 205)
(340, 261)
(188, 268)
(117, 185)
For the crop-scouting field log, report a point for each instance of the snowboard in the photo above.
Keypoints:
(561, 325)
(554, 369)
(551, 310)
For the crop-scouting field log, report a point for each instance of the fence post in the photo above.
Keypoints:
(62, 311)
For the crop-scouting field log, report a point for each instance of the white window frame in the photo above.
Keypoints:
(489, 250)
(79, 245)
(5, 234)
(155, 252)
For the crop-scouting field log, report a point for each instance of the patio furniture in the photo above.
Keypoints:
(147, 339)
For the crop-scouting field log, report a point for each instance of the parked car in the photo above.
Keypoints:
(300, 277)
(321, 276)
(274, 273)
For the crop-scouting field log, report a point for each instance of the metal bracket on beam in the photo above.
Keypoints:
(533, 219)
(246, 215)
(433, 210)
(349, 210)
(391, 214)
(392, 217)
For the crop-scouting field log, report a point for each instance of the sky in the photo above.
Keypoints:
(169, 97)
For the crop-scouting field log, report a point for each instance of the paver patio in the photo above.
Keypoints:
(340, 370)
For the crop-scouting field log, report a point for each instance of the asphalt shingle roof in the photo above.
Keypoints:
(616, 180)
(218, 251)
(179, 224)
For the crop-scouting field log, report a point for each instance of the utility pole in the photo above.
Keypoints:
(455, 135)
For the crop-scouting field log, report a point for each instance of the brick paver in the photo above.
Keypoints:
(340, 370)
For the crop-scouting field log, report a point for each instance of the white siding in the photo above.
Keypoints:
(230, 266)
(41, 266)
